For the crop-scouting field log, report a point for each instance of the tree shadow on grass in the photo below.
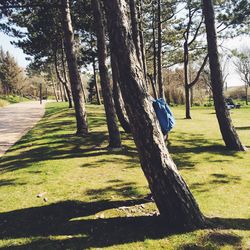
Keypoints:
(67, 225)
(218, 179)
(123, 189)
(59, 147)
(243, 128)
(61, 220)
(48, 144)
(62, 147)
(8, 182)
(190, 144)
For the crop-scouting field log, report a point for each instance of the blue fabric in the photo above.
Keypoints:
(164, 115)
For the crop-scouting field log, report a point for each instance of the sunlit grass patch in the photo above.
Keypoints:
(59, 191)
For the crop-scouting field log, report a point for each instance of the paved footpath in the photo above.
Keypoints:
(16, 120)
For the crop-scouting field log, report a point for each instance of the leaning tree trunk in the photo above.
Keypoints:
(113, 129)
(171, 194)
(228, 132)
(81, 116)
(119, 103)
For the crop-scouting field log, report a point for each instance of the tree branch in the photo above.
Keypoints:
(199, 72)
(196, 32)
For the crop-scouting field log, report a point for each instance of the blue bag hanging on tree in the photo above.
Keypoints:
(164, 115)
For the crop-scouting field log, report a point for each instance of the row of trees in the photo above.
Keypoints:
(14, 80)
(50, 35)
(11, 75)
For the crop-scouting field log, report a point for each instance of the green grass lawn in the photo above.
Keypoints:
(93, 198)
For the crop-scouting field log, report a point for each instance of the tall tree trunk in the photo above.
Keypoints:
(135, 31)
(191, 89)
(118, 101)
(65, 94)
(141, 36)
(159, 52)
(65, 83)
(114, 133)
(83, 90)
(98, 98)
(81, 116)
(187, 76)
(154, 45)
(186, 79)
(53, 85)
(61, 92)
(94, 74)
(171, 194)
(228, 132)
(153, 86)
(191, 96)
(246, 86)
(187, 102)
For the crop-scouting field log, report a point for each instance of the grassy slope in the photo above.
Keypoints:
(3, 103)
(6, 100)
(94, 196)
(12, 99)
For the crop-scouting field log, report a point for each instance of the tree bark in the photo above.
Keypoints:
(118, 101)
(154, 45)
(80, 112)
(53, 85)
(171, 194)
(99, 102)
(246, 87)
(113, 129)
(63, 82)
(83, 91)
(153, 86)
(94, 75)
(135, 31)
(187, 76)
(228, 132)
(61, 92)
(186, 79)
(65, 95)
(141, 36)
(159, 52)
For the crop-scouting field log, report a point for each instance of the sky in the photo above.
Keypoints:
(14, 51)
(233, 78)
(235, 43)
